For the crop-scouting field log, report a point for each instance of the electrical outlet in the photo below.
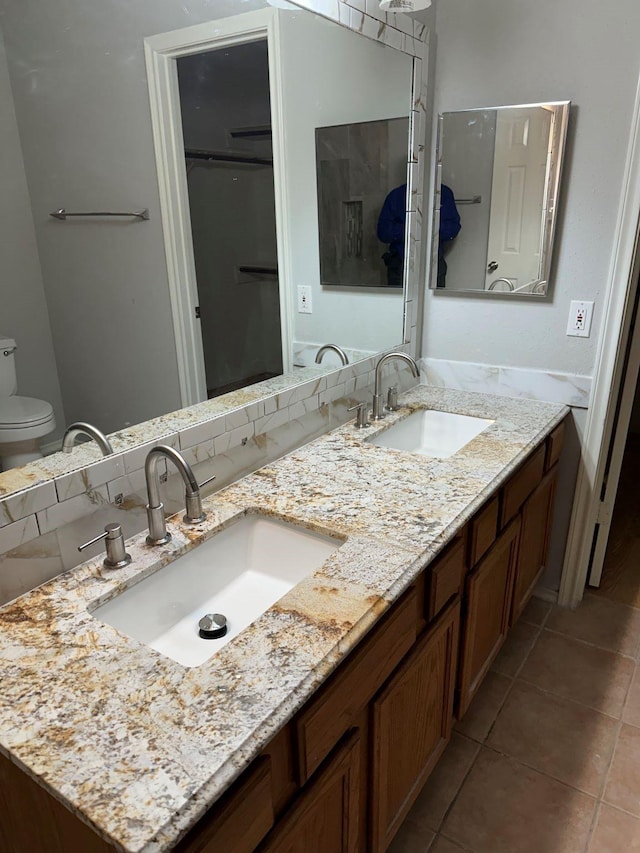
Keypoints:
(304, 299)
(580, 315)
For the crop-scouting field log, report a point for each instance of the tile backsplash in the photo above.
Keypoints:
(551, 386)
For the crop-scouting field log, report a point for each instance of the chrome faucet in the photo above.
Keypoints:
(506, 281)
(378, 411)
(333, 348)
(80, 428)
(194, 514)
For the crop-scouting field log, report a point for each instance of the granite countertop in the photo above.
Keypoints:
(139, 746)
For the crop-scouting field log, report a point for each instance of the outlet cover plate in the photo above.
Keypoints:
(304, 299)
(580, 315)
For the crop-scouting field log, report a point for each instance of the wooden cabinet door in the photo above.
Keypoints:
(325, 818)
(534, 541)
(489, 591)
(410, 726)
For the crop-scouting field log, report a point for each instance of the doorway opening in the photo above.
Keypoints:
(226, 125)
(615, 567)
(234, 307)
(620, 579)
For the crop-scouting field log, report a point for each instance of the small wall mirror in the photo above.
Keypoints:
(496, 197)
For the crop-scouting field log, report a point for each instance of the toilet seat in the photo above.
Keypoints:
(21, 412)
(24, 419)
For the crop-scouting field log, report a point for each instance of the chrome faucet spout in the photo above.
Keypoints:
(194, 514)
(81, 428)
(332, 348)
(378, 410)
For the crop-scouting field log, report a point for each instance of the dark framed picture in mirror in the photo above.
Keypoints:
(362, 188)
(496, 198)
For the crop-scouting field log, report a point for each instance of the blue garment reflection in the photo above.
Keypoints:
(391, 230)
(449, 228)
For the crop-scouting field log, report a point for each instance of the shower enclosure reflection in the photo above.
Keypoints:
(361, 174)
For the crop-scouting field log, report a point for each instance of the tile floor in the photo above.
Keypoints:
(547, 759)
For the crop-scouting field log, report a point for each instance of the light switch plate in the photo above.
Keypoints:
(580, 315)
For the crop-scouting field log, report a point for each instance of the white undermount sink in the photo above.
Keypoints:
(431, 433)
(239, 572)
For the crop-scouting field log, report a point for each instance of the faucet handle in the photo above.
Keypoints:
(194, 513)
(392, 399)
(361, 417)
(117, 556)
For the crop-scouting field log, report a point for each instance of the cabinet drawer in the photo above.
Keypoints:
(522, 484)
(554, 446)
(331, 713)
(483, 530)
(240, 820)
(445, 578)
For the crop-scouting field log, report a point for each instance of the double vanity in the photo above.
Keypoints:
(367, 581)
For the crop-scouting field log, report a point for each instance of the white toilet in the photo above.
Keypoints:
(23, 420)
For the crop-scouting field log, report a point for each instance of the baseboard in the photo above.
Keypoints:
(546, 594)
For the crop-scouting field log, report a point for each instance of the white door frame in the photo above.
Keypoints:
(615, 451)
(161, 52)
(608, 377)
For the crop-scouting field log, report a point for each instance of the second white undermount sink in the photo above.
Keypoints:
(431, 433)
(239, 572)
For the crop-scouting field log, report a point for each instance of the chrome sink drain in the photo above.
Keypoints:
(213, 626)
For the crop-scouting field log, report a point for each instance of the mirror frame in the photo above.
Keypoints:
(555, 158)
(411, 38)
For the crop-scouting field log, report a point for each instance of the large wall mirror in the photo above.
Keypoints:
(214, 133)
(496, 198)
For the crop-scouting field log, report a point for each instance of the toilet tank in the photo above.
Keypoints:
(8, 381)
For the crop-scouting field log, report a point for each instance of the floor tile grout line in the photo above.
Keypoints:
(619, 809)
(522, 680)
(594, 593)
(499, 710)
(594, 799)
(592, 827)
(591, 645)
(457, 794)
(533, 645)
(620, 724)
(511, 686)
(453, 841)
(522, 763)
(605, 779)
(480, 745)
(605, 597)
